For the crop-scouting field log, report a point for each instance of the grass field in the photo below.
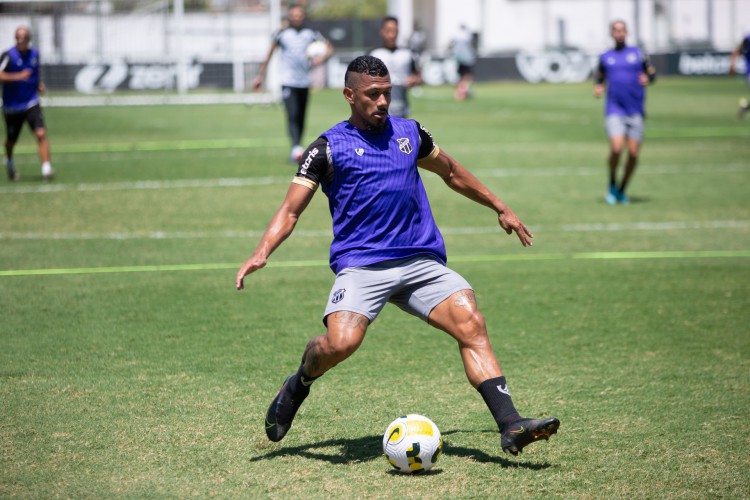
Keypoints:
(130, 366)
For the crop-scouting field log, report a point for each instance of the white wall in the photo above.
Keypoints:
(531, 25)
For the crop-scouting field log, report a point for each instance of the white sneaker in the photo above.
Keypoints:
(47, 173)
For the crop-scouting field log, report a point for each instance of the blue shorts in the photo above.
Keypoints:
(415, 284)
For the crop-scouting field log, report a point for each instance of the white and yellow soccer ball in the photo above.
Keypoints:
(412, 443)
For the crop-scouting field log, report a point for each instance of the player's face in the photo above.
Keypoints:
(23, 39)
(619, 33)
(296, 17)
(389, 33)
(369, 97)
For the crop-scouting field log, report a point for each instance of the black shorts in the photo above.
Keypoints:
(465, 70)
(14, 121)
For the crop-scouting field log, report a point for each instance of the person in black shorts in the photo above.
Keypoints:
(19, 74)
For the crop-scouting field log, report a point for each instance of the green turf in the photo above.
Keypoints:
(129, 365)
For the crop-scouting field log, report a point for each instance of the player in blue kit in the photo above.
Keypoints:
(626, 71)
(19, 74)
(387, 248)
(293, 41)
(742, 49)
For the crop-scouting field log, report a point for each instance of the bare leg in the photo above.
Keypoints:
(459, 317)
(616, 145)
(43, 144)
(634, 147)
(346, 331)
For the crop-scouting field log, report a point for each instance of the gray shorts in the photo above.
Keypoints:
(629, 126)
(416, 285)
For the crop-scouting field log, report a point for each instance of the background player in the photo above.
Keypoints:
(295, 72)
(19, 74)
(627, 71)
(742, 49)
(402, 66)
(464, 51)
(387, 248)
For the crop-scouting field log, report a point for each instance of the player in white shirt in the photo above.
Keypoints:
(401, 64)
(295, 71)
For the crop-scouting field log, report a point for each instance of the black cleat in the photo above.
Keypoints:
(12, 172)
(282, 411)
(526, 431)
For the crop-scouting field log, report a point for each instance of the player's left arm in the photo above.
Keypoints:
(648, 75)
(458, 178)
(415, 74)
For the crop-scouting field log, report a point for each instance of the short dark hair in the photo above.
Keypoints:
(388, 19)
(365, 65)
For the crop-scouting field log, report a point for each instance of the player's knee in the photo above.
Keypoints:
(473, 329)
(340, 348)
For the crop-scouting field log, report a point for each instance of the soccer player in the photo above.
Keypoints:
(627, 71)
(464, 52)
(387, 248)
(19, 74)
(401, 64)
(293, 41)
(744, 49)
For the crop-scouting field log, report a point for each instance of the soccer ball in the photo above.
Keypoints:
(316, 49)
(412, 443)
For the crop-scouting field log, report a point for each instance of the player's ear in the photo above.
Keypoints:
(349, 95)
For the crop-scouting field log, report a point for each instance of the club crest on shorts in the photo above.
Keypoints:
(338, 295)
(404, 145)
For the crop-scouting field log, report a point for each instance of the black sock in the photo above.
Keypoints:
(300, 383)
(497, 397)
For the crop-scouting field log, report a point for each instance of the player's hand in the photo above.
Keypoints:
(732, 71)
(643, 79)
(257, 82)
(317, 61)
(250, 266)
(42, 88)
(598, 90)
(509, 222)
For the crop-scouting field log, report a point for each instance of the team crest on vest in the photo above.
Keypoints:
(359, 151)
(632, 58)
(338, 295)
(404, 145)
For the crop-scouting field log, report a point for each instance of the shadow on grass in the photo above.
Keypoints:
(366, 448)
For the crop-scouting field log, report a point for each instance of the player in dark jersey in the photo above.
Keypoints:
(293, 41)
(19, 74)
(627, 71)
(742, 49)
(387, 248)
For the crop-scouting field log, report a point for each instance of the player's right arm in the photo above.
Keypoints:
(281, 226)
(7, 76)
(258, 80)
(599, 78)
(313, 169)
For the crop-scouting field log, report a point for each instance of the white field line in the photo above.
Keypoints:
(57, 187)
(325, 233)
